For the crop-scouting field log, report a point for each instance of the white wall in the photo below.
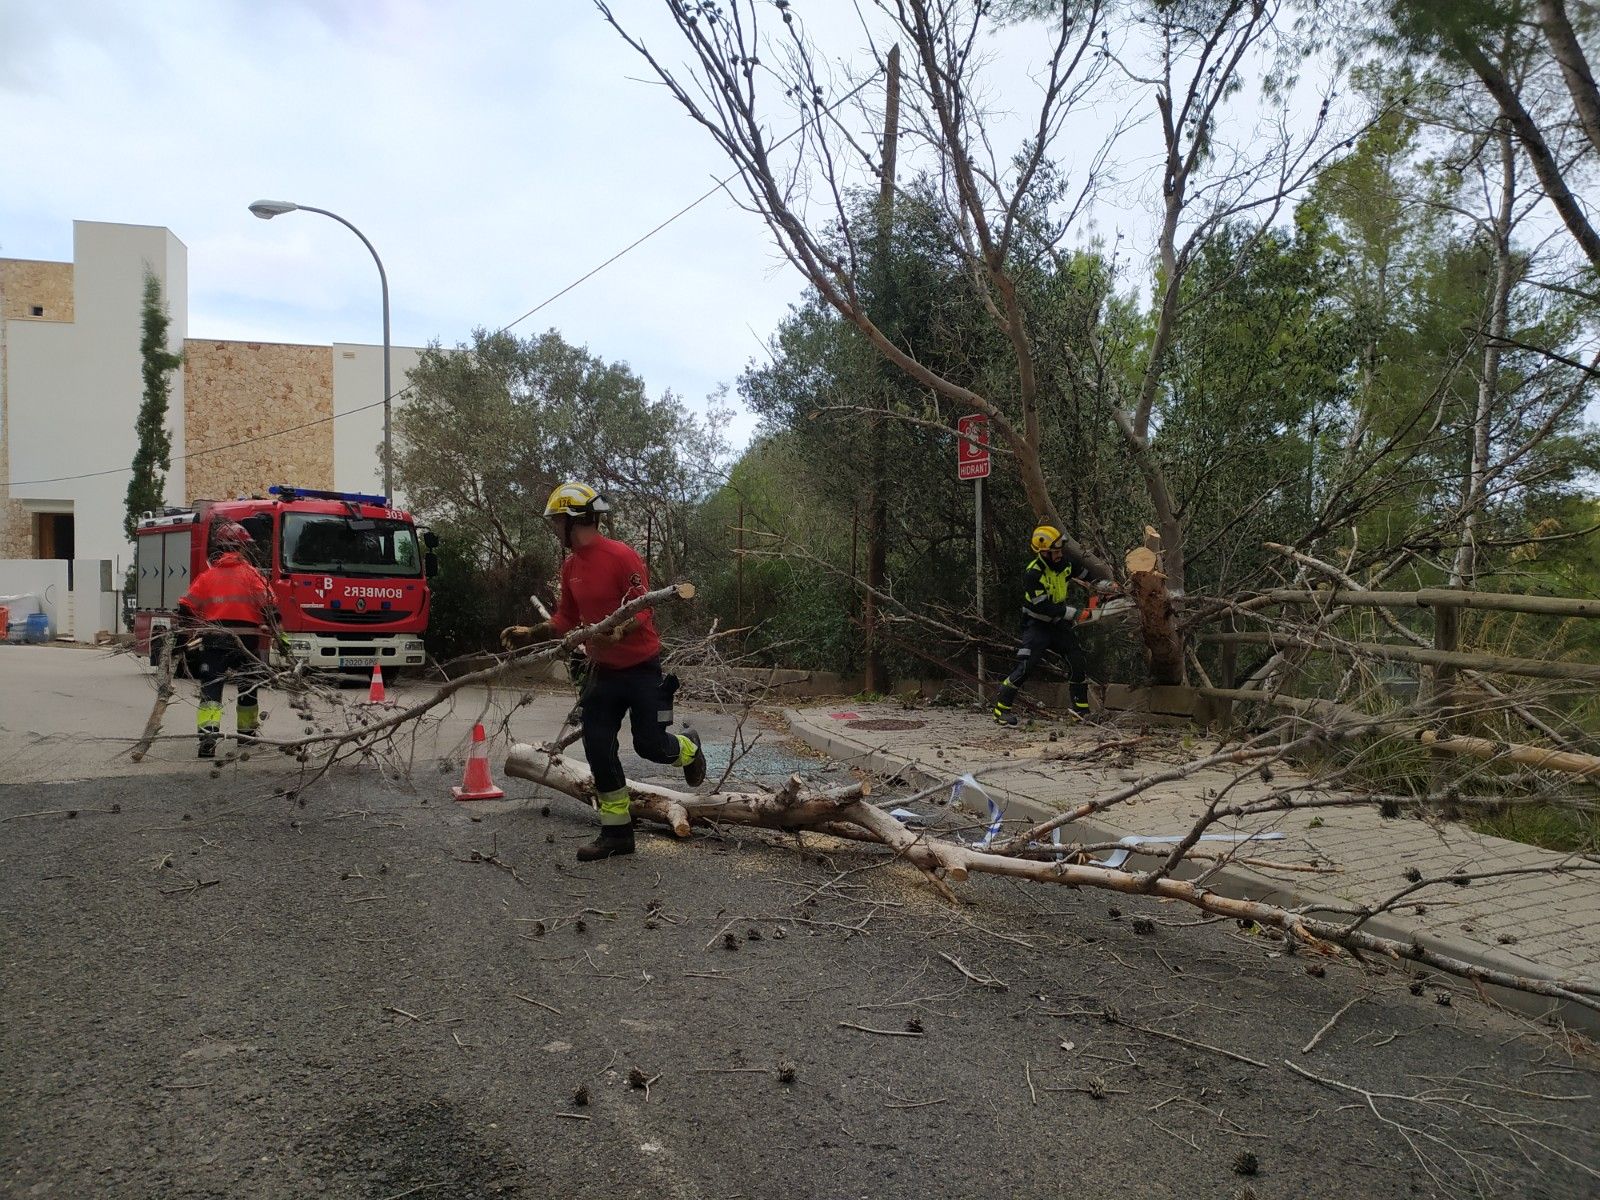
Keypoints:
(357, 438)
(74, 388)
(43, 578)
(94, 598)
(80, 612)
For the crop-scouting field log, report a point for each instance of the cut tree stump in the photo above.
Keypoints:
(1162, 646)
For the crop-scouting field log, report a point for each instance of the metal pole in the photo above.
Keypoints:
(886, 315)
(977, 560)
(383, 280)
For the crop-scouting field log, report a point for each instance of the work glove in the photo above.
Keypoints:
(515, 637)
(1068, 615)
(614, 635)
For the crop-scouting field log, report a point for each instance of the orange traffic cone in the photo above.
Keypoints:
(375, 692)
(477, 785)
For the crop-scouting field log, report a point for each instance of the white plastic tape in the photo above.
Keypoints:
(995, 815)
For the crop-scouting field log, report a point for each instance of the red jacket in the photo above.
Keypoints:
(230, 591)
(596, 580)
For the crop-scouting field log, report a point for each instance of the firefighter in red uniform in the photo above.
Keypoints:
(231, 608)
(598, 577)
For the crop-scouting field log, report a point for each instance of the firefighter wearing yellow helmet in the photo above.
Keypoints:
(599, 576)
(1048, 616)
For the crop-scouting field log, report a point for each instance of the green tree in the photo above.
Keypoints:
(1530, 61)
(1258, 389)
(153, 458)
(493, 426)
(824, 397)
(1464, 424)
(1184, 66)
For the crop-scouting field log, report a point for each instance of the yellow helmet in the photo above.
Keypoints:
(1045, 537)
(573, 499)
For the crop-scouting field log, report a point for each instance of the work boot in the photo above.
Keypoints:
(694, 771)
(208, 743)
(1003, 714)
(613, 839)
(248, 720)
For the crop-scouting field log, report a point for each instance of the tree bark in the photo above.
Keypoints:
(1464, 569)
(1534, 145)
(1158, 623)
(1540, 759)
(1575, 70)
(1534, 668)
(158, 711)
(792, 806)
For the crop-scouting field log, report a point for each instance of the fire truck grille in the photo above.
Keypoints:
(350, 616)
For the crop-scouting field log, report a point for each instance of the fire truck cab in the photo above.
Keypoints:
(349, 573)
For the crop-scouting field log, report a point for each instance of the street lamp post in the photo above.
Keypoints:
(266, 210)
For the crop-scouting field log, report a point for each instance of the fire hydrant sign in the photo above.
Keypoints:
(972, 447)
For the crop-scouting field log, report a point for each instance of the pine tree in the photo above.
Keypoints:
(147, 487)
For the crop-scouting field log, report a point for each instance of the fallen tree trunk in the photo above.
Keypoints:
(792, 806)
(843, 812)
(1517, 752)
(1537, 668)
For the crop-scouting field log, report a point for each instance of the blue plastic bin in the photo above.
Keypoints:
(38, 628)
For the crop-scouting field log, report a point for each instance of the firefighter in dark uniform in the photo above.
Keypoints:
(598, 576)
(231, 609)
(1052, 598)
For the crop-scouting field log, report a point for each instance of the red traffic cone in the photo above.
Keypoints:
(477, 785)
(375, 692)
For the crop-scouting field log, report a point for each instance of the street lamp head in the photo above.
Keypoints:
(267, 209)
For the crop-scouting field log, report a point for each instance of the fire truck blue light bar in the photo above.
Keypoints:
(293, 493)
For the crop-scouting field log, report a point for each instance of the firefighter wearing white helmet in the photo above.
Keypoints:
(598, 576)
(1048, 617)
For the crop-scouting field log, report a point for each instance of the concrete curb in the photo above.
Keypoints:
(1239, 883)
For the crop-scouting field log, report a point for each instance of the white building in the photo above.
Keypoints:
(71, 386)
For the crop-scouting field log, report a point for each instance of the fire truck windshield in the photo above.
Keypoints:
(349, 545)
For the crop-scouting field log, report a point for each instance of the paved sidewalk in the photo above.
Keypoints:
(1545, 926)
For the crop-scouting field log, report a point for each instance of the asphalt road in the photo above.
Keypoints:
(212, 990)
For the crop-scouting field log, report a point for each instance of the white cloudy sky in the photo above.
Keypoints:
(492, 150)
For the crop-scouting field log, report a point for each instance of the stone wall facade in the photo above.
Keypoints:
(234, 391)
(26, 285)
(29, 291)
(16, 529)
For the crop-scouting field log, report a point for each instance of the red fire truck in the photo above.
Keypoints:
(349, 572)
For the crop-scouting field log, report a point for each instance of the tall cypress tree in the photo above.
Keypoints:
(147, 487)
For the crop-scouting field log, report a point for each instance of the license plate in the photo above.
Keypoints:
(366, 660)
